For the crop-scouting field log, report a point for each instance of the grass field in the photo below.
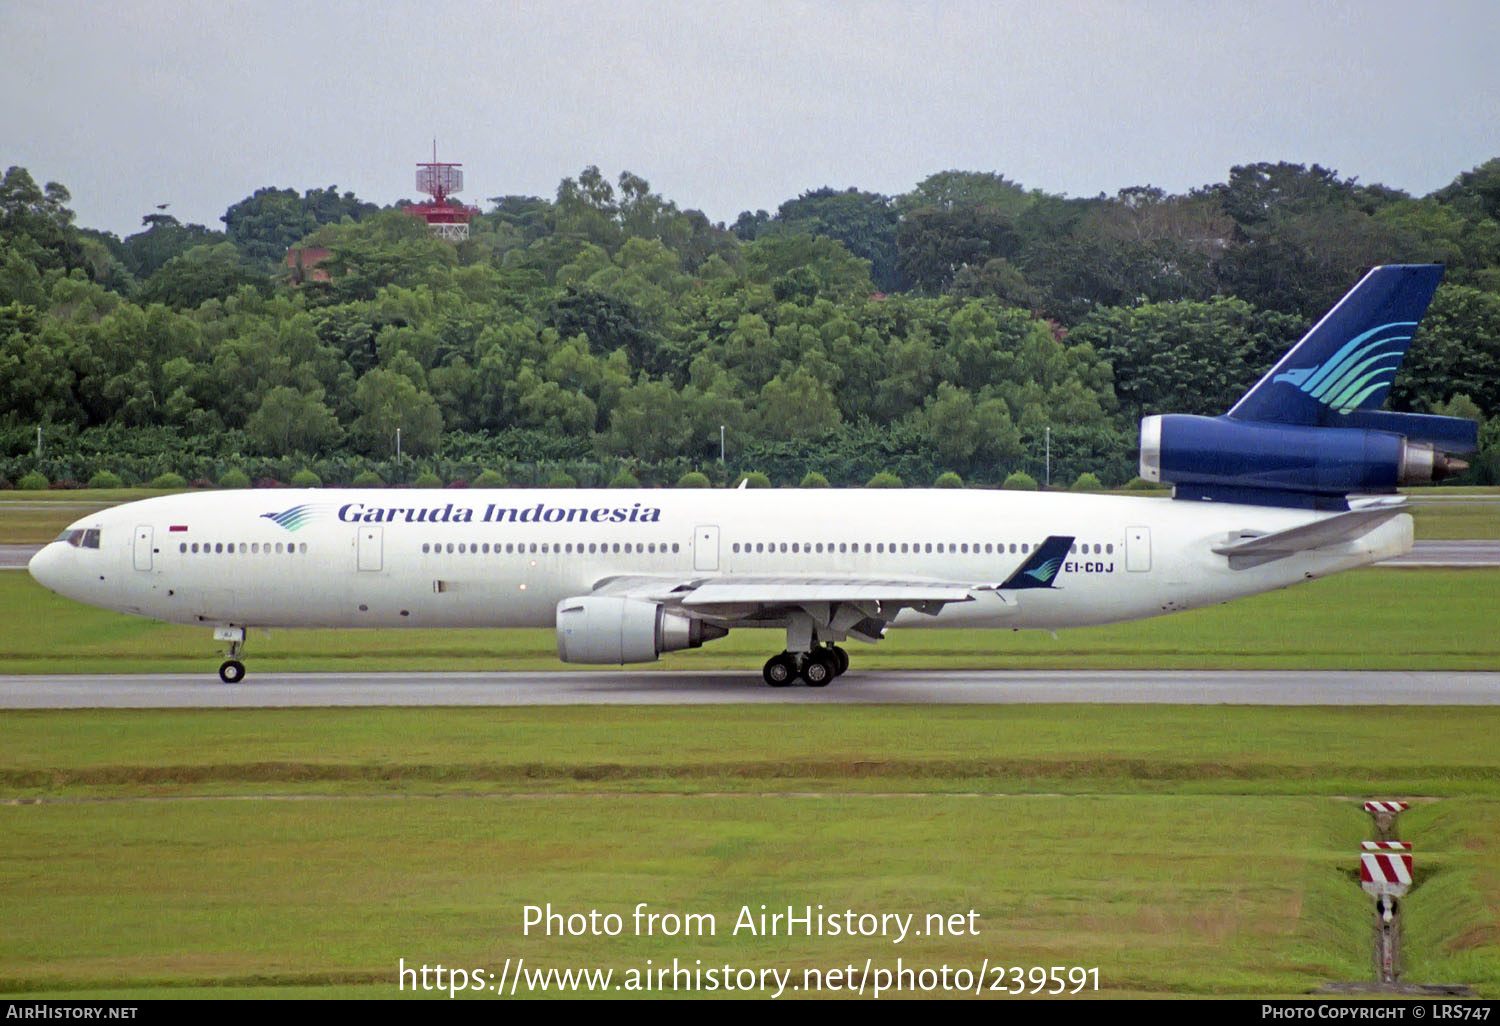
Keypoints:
(1369, 619)
(154, 862)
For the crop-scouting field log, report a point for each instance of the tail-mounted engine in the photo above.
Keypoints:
(1229, 460)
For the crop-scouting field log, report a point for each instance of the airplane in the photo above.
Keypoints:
(1295, 482)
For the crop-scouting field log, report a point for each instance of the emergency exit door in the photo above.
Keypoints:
(1138, 549)
(370, 548)
(143, 539)
(706, 547)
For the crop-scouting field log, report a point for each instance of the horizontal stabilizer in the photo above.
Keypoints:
(1446, 434)
(1044, 565)
(1246, 550)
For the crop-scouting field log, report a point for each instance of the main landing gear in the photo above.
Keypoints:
(231, 670)
(816, 669)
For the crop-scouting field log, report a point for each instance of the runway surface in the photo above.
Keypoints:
(990, 687)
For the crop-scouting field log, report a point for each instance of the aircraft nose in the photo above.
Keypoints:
(46, 567)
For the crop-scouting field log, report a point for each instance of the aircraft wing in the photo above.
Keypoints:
(860, 607)
(1248, 548)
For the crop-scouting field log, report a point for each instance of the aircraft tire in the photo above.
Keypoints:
(819, 670)
(780, 671)
(841, 660)
(232, 671)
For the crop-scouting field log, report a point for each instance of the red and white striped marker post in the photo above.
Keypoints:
(1385, 813)
(1385, 871)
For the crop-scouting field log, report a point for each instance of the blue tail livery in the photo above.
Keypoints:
(1348, 361)
(1044, 565)
(1311, 432)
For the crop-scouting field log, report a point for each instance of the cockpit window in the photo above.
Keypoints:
(88, 539)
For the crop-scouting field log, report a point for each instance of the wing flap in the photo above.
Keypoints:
(797, 592)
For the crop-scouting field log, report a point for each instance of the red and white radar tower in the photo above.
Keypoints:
(440, 181)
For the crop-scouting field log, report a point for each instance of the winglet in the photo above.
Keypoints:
(1044, 565)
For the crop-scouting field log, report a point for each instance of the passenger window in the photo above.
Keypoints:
(182, 547)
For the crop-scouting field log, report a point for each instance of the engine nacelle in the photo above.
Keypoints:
(1232, 460)
(603, 629)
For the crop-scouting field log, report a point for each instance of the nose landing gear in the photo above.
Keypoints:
(231, 670)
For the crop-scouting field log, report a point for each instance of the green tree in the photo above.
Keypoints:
(1186, 357)
(797, 405)
(290, 420)
(201, 274)
(386, 401)
(863, 222)
(265, 224)
(36, 222)
(144, 253)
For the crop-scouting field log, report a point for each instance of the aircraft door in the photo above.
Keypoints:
(143, 536)
(371, 545)
(1138, 549)
(706, 547)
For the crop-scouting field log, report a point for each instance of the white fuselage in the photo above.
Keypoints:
(505, 558)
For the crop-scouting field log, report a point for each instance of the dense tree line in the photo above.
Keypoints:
(958, 327)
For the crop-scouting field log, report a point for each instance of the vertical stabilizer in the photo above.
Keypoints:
(1348, 361)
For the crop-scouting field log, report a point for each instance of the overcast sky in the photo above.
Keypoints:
(726, 106)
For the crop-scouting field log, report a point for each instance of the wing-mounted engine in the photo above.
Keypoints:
(605, 629)
(1268, 464)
